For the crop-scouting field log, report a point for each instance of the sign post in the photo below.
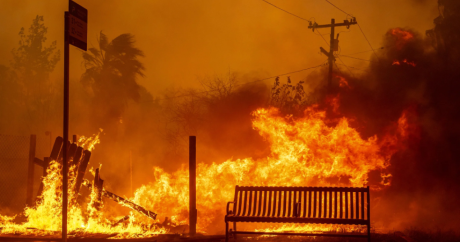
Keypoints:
(75, 32)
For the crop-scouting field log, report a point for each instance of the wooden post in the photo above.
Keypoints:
(45, 163)
(30, 170)
(74, 138)
(368, 215)
(98, 185)
(122, 201)
(80, 173)
(192, 185)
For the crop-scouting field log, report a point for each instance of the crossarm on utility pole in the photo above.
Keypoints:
(123, 201)
(333, 44)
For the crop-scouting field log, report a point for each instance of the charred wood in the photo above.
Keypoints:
(123, 201)
(82, 170)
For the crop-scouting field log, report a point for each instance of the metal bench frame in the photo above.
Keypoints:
(299, 205)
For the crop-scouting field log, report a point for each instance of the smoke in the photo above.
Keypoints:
(154, 130)
(420, 74)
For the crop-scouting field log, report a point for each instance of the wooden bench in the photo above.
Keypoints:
(340, 205)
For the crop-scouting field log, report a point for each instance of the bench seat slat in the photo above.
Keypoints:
(294, 220)
(323, 189)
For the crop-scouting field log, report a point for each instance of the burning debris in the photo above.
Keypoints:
(44, 218)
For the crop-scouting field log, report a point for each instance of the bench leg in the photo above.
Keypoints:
(226, 231)
(234, 230)
(369, 233)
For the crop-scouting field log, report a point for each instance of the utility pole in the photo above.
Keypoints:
(333, 44)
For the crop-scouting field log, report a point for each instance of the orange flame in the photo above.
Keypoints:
(304, 152)
(45, 217)
(405, 61)
(402, 36)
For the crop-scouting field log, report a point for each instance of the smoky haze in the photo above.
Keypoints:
(191, 47)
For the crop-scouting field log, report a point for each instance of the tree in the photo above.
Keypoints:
(31, 65)
(289, 98)
(110, 76)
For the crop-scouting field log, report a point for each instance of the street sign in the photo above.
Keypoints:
(78, 25)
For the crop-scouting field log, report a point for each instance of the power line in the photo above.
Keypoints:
(322, 37)
(381, 48)
(344, 65)
(354, 57)
(339, 8)
(367, 39)
(202, 92)
(358, 26)
(353, 67)
(285, 11)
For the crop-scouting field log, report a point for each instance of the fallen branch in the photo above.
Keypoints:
(123, 201)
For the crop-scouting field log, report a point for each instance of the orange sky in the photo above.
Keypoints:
(184, 40)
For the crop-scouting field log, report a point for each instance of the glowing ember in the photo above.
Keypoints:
(401, 36)
(343, 82)
(405, 61)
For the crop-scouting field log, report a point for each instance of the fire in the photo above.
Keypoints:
(45, 217)
(405, 61)
(402, 37)
(343, 82)
(304, 152)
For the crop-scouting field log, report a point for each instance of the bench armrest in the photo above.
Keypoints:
(228, 205)
(297, 209)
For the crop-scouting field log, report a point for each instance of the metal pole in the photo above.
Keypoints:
(192, 185)
(66, 128)
(331, 55)
(30, 171)
(131, 170)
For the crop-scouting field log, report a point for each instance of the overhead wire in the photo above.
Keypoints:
(365, 51)
(339, 9)
(354, 57)
(368, 42)
(286, 11)
(354, 67)
(202, 92)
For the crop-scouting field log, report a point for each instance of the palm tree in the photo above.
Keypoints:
(110, 76)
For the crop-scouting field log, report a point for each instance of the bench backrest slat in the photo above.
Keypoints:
(357, 204)
(250, 203)
(287, 195)
(352, 215)
(346, 205)
(335, 204)
(362, 205)
(240, 196)
(341, 204)
(315, 202)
